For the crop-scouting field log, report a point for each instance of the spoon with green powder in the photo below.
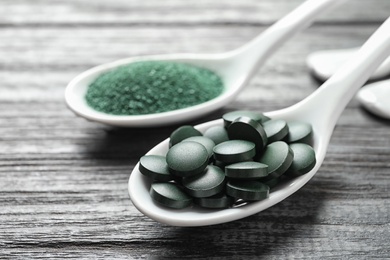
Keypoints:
(168, 89)
(321, 110)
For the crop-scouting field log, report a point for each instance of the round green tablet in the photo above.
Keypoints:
(304, 159)
(209, 183)
(278, 156)
(299, 132)
(170, 195)
(245, 128)
(276, 130)
(247, 190)
(182, 133)
(217, 133)
(205, 141)
(187, 158)
(234, 151)
(218, 201)
(271, 183)
(219, 164)
(246, 170)
(155, 167)
(228, 118)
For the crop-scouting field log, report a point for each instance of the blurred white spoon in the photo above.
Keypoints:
(234, 67)
(375, 97)
(321, 109)
(323, 64)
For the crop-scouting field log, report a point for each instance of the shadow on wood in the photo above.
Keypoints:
(283, 225)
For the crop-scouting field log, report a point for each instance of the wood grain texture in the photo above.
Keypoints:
(63, 180)
(163, 13)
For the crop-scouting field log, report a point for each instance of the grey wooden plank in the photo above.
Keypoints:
(120, 12)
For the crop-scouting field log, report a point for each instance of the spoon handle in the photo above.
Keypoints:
(333, 96)
(253, 54)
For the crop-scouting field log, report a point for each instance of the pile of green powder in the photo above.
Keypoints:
(152, 87)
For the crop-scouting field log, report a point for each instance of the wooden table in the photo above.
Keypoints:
(63, 180)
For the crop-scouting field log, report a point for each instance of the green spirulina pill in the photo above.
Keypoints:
(278, 156)
(228, 118)
(205, 141)
(209, 183)
(299, 132)
(219, 164)
(245, 128)
(187, 159)
(246, 170)
(247, 190)
(304, 159)
(275, 130)
(182, 133)
(271, 183)
(234, 151)
(217, 133)
(218, 201)
(170, 195)
(155, 167)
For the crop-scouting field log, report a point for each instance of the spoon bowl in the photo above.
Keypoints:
(321, 109)
(234, 67)
(77, 89)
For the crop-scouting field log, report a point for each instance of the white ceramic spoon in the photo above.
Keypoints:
(235, 68)
(323, 64)
(375, 97)
(321, 109)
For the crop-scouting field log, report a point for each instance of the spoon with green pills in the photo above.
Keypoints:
(167, 89)
(266, 175)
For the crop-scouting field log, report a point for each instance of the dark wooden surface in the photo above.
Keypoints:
(63, 180)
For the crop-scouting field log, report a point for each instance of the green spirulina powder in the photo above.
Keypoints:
(152, 87)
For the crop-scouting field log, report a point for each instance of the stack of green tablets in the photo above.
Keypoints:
(239, 161)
